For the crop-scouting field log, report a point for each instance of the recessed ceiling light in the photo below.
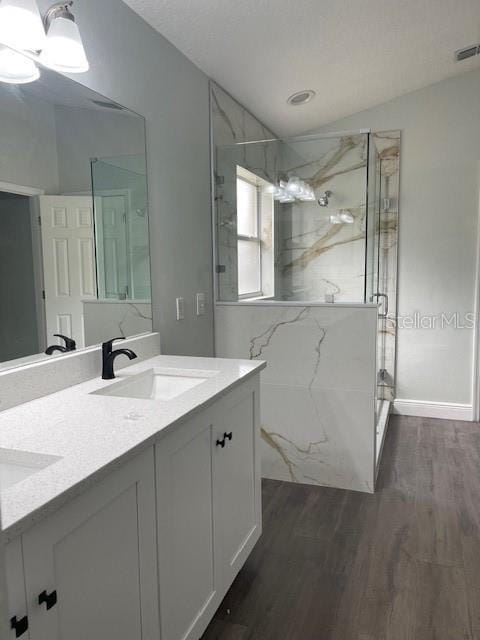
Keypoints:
(301, 97)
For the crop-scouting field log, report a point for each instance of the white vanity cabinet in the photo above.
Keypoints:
(149, 551)
(208, 509)
(17, 601)
(93, 562)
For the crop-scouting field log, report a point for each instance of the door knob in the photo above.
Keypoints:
(19, 626)
(49, 599)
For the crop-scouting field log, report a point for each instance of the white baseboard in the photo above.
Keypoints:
(423, 409)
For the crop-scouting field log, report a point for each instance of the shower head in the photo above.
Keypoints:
(323, 199)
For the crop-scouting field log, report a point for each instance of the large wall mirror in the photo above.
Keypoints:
(74, 241)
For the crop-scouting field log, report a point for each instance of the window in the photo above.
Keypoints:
(254, 235)
(248, 239)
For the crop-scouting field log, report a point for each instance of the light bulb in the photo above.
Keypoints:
(21, 26)
(16, 68)
(64, 49)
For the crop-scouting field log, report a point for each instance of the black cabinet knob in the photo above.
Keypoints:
(49, 599)
(228, 436)
(19, 626)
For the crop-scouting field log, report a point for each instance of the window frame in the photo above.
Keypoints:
(257, 239)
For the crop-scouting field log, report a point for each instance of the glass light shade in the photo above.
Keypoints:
(307, 194)
(286, 197)
(346, 216)
(21, 26)
(335, 219)
(63, 50)
(16, 68)
(294, 185)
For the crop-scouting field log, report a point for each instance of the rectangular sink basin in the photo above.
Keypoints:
(15, 466)
(157, 384)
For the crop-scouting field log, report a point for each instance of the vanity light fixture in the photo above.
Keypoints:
(60, 48)
(63, 50)
(21, 25)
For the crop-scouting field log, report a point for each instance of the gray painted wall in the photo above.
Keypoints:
(88, 133)
(439, 207)
(134, 65)
(29, 152)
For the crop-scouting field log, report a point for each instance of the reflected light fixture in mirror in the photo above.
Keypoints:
(21, 28)
(16, 68)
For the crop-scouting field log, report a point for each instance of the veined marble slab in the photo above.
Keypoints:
(318, 391)
(115, 318)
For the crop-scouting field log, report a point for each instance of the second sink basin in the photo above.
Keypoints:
(157, 384)
(15, 465)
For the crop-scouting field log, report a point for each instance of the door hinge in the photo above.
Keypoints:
(39, 221)
(43, 294)
(219, 180)
(220, 268)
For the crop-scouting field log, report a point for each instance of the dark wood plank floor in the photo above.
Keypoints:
(401, 564)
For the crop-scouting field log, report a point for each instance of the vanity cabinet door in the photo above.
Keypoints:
(237, 488)
(189, 591)
(92, 563)
(17, 603)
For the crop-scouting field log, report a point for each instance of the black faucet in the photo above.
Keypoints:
(108, 357)
(70, 345)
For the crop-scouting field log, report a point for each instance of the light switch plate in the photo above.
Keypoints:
(180, 304)
(200, 304)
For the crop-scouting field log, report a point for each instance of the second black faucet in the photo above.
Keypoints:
(108, 357)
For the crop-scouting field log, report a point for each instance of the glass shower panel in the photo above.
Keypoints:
(121, 227)
(374, 291)
(317, 239)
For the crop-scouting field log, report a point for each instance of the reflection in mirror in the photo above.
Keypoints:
(74, 249)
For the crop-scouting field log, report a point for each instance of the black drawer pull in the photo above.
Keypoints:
(222, 442)
(50, 599)
(19, 626)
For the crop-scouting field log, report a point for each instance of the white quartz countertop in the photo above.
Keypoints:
(93, 434)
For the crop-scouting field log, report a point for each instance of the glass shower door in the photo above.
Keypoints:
(121, 227)
(374, 281)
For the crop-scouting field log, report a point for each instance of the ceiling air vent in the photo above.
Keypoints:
(467, 52)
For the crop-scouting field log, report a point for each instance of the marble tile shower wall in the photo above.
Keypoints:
(318, 390)
(232, 124)
(318, 260)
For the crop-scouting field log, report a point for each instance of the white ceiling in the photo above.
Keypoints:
(353, 53)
